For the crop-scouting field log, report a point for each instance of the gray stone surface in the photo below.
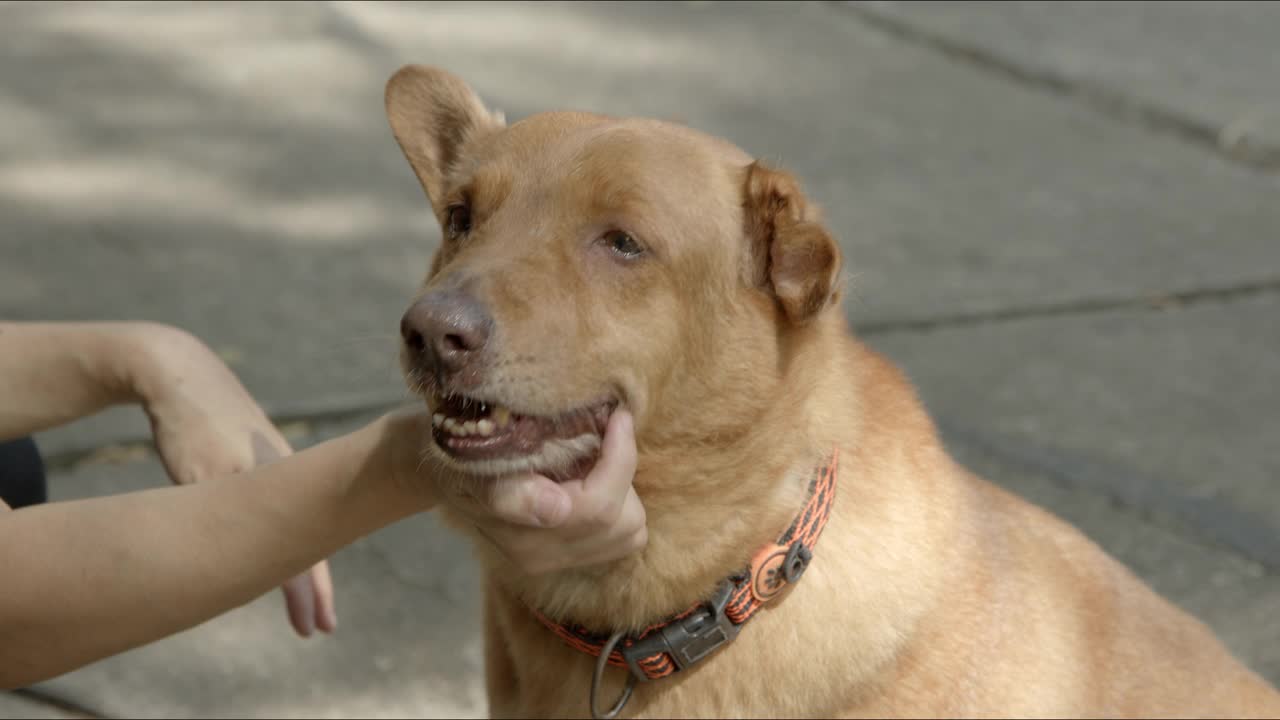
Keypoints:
(1172, 411)
(1209, 64)
(950, 189)
(1236, 597)
(227, 168)
(224, 167)
(13, 705)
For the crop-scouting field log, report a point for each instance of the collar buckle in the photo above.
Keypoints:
(691, 639)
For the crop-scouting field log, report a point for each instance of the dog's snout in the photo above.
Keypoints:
(447, 329)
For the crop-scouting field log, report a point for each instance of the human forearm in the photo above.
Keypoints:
(87, 579)
(53, 373)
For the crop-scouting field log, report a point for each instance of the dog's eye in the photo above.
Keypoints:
(622, 244)
(458, 219)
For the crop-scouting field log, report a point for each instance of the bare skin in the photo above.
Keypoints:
(204, 422)
(137, 567)
(134, 568)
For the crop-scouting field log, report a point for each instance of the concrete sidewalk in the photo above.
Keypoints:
(1060, 220)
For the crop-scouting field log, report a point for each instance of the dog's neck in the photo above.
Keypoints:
(729, 503)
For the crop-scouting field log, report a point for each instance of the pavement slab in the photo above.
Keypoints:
(1170, 411)
(1207, 70)
(27, 707)
(1236, 596)
(218, 166)
(227, 167)
(1041, 218)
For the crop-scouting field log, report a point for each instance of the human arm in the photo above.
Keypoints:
(206, 426)
(87, 579)
(54, 373)
(203, 420)
(90, 578)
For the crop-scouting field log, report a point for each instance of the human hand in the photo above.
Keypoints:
(542, 526)
(205, 424)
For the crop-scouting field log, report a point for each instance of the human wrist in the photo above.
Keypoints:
(123, 358)
(151, 358)
(394, 468)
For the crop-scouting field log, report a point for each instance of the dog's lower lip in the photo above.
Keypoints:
(521, 435)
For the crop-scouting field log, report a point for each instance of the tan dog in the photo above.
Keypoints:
(589, 261)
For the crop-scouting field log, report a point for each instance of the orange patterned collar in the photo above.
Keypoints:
(673, 645)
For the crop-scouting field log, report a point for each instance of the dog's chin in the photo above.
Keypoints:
(481, 438)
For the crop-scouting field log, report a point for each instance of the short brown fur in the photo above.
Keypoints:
(932, 592)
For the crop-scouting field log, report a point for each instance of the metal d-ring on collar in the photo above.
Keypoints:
(601, 663)
(690, 637)
(686, 641)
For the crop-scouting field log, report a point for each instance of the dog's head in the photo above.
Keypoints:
(589, 261)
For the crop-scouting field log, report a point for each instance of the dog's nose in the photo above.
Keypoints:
(448, 329)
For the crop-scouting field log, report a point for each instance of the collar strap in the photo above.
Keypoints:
(672, 645)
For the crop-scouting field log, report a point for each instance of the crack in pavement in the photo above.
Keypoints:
(129, 450)
(352, 30)
(51, 700)
(1172, 300)
(125, 450)
(1211, 523)
(1112, 103)
(1204, 521)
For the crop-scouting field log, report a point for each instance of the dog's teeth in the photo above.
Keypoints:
(437, 420)
(450, 424)
(484, 427)
(469, 427)
(501, 416)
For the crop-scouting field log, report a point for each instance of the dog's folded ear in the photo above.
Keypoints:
(433, 115)
(793, 255)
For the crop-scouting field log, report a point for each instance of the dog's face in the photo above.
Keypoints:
(589, 262)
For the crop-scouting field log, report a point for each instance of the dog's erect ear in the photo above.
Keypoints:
(793, 255)
(433, 115)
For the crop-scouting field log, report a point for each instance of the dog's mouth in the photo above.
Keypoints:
(482, 434)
